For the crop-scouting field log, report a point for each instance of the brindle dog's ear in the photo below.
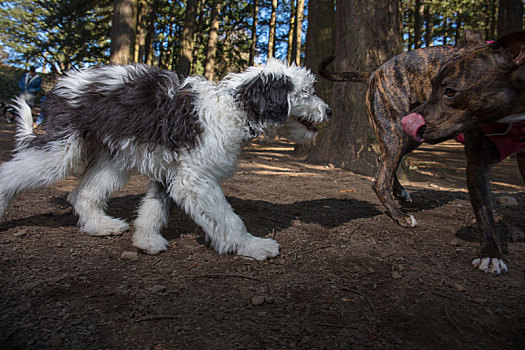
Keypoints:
(510, 50)
(472, 38)
(265, 98)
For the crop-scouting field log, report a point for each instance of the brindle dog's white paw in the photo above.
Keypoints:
(493, 266)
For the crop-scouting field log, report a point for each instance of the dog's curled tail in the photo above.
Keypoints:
(357, 77)
(24, 128)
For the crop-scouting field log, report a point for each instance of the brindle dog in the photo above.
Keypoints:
(474, 89)
(394, 89)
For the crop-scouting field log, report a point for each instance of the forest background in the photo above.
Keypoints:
(215, 37)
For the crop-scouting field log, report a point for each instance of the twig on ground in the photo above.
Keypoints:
(333, 325)
(221, 275)
(365, 297)
(156, 317)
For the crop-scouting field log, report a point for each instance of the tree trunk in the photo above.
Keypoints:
(212, 41)
(201, 13)
(367, 34)
(319, 44)
(510, 16)
(429, 25)
(291, 32)
(418, 23)
(148, 45)
(123, 32)
(253, 49)
(141, 31)
(186, 49)
(296, 54)
(320, 41)
(271, 35)
(491, 35)
(458, 30)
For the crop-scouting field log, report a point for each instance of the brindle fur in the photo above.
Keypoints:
(395, 88)
(490, 84)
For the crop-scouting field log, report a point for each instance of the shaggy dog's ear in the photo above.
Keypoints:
(265, 98)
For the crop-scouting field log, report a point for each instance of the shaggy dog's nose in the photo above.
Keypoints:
(328, 112)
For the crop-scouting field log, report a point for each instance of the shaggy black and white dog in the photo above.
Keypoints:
(185, 136)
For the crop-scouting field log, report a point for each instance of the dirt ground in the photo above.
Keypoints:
(347, 276)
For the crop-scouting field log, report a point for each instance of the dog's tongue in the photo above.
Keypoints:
(411, 124)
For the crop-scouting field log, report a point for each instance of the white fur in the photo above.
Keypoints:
(191, 178)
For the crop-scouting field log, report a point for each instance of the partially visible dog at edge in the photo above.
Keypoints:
(404, 83)
(185, 136)
(481, 94)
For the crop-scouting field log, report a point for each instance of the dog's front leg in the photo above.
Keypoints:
(202, 198)
(152, 216)
(481, 156)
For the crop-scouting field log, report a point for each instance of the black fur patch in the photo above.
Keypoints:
(139, 108)
(265, 98)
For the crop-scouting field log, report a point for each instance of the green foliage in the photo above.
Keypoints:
(70, 33)
(448, 20)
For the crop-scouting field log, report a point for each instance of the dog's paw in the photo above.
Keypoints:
(259, 248)
(493, 266)
(105, 226)
(149, 243)
(404, 196)
(407, 221)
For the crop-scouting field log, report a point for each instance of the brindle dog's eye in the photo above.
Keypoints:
(450, 92)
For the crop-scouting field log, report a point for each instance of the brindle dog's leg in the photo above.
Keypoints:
(386, 184)
(481, 157)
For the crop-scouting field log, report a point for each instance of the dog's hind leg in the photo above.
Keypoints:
(202, 198)
(35, 167)
(101, 178)
(386, 182)
(152, 216)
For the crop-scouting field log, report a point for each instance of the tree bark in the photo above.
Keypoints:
(253, 49)
(429, 25)
(296, 54)
(212, 41)
(320, 37)
(367, 34)
(271, 35)
(291, 32)
(186, 49)
(141, 31)
(510, 16)
(199, 41)
(418, 23)
(319, 44)
(123, 31)
(150, 33)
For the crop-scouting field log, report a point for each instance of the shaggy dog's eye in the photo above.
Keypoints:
(449, 92)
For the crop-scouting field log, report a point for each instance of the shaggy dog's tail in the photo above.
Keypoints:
(357, 77)
(24, 129)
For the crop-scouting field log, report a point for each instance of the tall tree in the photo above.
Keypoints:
(212, 40)
(150, 32)
(429, 23)
(253, 48)
(271, 35)
(367, 34)
(123, 31)
(298, 30)
(320, 40)
(510, 16)
(186, 50)
(418, 23)
(140, 39)
(291, 32)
